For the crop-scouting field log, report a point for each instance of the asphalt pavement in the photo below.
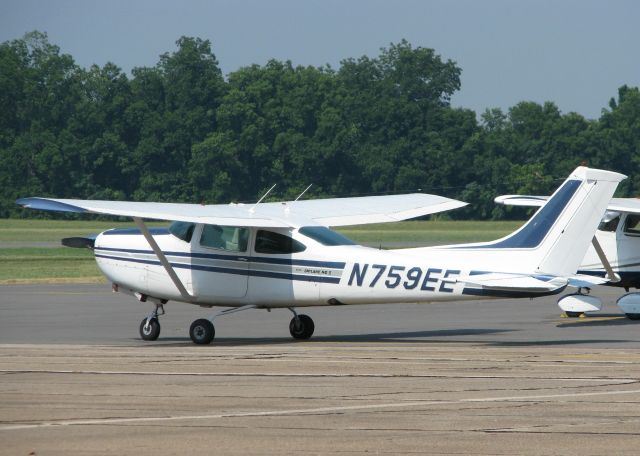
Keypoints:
(486, 377)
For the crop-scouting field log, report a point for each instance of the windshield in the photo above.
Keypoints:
(325, 236)
(182, 230)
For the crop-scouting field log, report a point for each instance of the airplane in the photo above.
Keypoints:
(283, 255)
(614, 254)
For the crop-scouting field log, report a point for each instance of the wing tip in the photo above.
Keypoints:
(45, 204)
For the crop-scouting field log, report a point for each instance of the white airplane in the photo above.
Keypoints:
(283, 255)
(614, 254)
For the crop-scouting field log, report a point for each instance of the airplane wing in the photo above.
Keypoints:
(327, 212)
(629, 205)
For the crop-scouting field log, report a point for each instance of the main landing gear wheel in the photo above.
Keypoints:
(150, 330)
(301, 327)
(573, 314)
(202, 331)
(633, 316)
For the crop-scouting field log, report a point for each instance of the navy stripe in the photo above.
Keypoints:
(243, 258)
(534, 232)
(247, 272)
(135, 231)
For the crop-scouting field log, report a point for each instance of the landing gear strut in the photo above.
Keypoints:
(202, 331)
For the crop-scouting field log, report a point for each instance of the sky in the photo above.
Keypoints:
(576, 53)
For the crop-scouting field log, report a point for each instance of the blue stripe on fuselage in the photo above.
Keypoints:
(135, 231)
(247, 272)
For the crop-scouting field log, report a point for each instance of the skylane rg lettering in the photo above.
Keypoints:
(424, 279)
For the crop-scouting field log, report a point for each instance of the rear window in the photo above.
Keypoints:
(182, 230)
(325, 236)
(276, 243)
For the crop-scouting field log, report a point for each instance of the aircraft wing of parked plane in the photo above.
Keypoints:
(629, 205)
(282, 255)
(325, 212)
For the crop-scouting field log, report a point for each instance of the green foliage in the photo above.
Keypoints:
(180, 132)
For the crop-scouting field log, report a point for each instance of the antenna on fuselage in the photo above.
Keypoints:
(303, 192)
(263, 197)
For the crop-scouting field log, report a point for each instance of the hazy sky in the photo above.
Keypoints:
(573, 52)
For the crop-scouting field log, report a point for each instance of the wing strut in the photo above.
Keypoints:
(613, 277)
(163, 259)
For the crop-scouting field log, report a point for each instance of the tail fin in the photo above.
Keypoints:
(577, 219)
(557, 237)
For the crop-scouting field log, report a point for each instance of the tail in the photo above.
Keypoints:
(555, 240)
(570, 236)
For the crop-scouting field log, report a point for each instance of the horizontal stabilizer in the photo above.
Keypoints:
(514, 282)
(629, 205)
(587, 281)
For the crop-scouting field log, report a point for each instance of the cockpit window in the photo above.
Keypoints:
(182, 230)
(276, 243)
(632, 225)
(609, 222)
(325, 236)
(230, 238)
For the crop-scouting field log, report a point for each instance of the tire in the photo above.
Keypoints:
(202, 331)
(573, 314)
(150, 332)
(633, 316)
(302, 327)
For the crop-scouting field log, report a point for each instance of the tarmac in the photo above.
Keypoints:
(485, 378)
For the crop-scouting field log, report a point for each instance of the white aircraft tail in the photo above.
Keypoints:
(555, 240)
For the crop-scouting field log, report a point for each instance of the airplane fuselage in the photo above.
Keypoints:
(318, 275)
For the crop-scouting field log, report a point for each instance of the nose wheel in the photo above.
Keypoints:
(149, 329)
(150, 326)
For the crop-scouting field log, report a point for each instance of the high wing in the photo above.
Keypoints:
(327, 212)
(629, 205)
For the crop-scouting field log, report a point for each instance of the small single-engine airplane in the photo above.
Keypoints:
(614, 254)
(283, 255)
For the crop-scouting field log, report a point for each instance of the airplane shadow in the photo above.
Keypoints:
(409, 337)
(449, 336)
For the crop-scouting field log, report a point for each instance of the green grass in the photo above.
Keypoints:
(23, 259)
(429, 232)
(51, 264)
(22, 231)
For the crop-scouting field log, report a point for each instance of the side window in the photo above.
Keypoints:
(632, 225)
(182, 230)
(230, 238)
(270, 242)
(609, 222)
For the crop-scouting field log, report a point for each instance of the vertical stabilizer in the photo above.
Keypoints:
(573, 213)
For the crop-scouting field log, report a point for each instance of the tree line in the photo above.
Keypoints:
(180, 131)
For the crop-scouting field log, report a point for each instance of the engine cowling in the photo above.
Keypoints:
(630, 305)
(578, 304)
